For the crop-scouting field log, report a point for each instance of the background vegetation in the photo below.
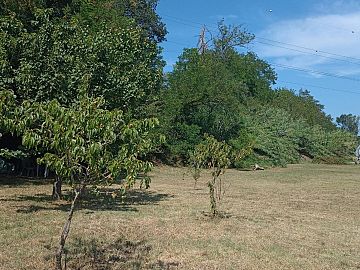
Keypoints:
(48, 48)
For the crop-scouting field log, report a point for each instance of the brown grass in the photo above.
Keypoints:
(300, 217)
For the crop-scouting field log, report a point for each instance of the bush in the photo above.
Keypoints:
(331, 160)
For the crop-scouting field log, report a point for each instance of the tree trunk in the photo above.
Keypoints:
(46, 172)
(65, 232)
(56, 192)
(211, 185)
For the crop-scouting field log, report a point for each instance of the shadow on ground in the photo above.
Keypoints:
(12, 180)
(92, 202)
(94, 254)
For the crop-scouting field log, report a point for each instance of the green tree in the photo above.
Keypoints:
(214, 155)
(229, 37)
(84, 144)
(25, 11)
(45, 53)
(280, 139)
(143, 12)
(207, 94)
(302, 106)
(115, 13)
(122, 65)
(202, 98)
(349, 122)
(275, 137)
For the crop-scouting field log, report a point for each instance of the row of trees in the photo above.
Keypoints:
(48, 49)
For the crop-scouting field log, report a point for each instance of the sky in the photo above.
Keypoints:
(312, 45)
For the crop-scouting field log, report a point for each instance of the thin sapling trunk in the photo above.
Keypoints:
(65, 232)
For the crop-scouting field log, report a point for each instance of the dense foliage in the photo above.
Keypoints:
(115, 13)
(229, 95)
(49, 49)
(120, 64)
(77, 84)
(209, 94)
(349, 122)
(302, 106)
(85, 144)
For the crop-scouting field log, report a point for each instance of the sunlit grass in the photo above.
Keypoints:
(300, 217)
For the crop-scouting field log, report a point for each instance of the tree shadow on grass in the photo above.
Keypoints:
(102, 201)
(97, 254)
(12, 180)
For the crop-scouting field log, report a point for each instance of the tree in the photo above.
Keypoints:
(230, 37)
(275, 137)
(202, 97)
(44, 54)
(302, 106)
(349, 122)
(281, 139)
(214, 155)
(209, 94)
(122, 65)
(115, 13)
(144, 14)
(49, 60)
(84, 144)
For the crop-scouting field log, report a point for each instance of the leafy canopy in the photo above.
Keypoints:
(120, 64)
(214, 155)
(85, 144)
(209, 92)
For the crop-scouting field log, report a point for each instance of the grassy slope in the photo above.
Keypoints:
(300, 217)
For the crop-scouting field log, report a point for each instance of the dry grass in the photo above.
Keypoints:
(300, 217)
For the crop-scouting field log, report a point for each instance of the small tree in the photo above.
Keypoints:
(85, 145)
(214, 155)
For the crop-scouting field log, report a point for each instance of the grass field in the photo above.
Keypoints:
(301, 217)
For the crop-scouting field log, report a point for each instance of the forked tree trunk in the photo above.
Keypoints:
(56, 192)
(65, 233)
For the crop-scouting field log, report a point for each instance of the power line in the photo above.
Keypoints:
(181, 21)
(177, 43)
(287, 48)
(171, 51)
(315, 72)
(174, 18)
(309, 49)
(309, 53)
(317, 86)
